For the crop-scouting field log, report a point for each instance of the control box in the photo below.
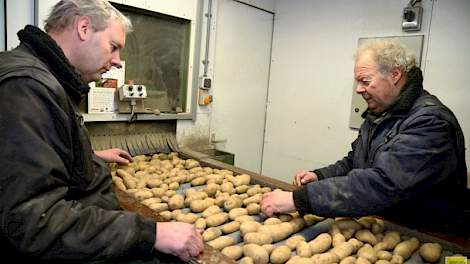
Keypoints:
(205, 83)
(128, 92)
(412, 17)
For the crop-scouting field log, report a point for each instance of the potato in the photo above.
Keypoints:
(311, 219)
(190, 164)
(325, 258)
(175, 213)
(257, 253)
(244, 218)
(211, 189)
(385, 255)
(187, 218)
(430, 252)
(200, 223)
(176, 202)
(221, 242)
(348, 224)
(241, 189)
(285, 217)
(397, 259)
(366, 236)
(143, 194)
(231, 203)
(268, 247)
(254, 190)
(211, 234)
(253, 209)
(361, 260)
(257, 238)
(158, 192)
(348, 260)
(272, 221)
(236, 212)
(303, 249)
(382, 261)
(213, 209)
(227, 187)
(119, 183)
(216, 219)
(243, 179)
(198, 181)
(246, 260)
(231, 227)
(292, 241)
(321, 243)
(249, 226)
(391, 239)
(406, 248)
(233, 252)
(165, 215)
(343, 250)
(378, 226)
(297, 224)
(280, 254)
(152, 200)
(368, 253)
(357, 244)
(278, 232)
(198, 206)
(253, 199)
(159, 207)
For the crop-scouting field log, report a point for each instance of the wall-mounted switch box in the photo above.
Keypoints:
(412, 17)
(128, 92)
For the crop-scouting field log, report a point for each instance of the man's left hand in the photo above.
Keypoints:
(277, 202)
(117, 155)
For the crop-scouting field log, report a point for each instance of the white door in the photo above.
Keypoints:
(241, 75)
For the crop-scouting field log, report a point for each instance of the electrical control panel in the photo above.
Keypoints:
(128, 92)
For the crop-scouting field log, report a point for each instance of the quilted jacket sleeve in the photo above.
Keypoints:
(413, 162)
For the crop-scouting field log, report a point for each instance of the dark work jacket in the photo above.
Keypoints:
(407, 165)
(56, 201)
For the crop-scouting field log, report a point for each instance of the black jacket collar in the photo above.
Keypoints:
(47, 50)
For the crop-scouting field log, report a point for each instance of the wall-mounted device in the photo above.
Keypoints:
(412, 16)
(131, 99)
(127, 92)
(205, 82)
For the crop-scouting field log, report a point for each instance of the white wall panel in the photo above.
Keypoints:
(241, 75)
(312, 78)
(18, 15)
(179, 8)
(448, 61)
(2, 26)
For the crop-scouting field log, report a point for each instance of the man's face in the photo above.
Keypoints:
(378, 90)
(100, 51)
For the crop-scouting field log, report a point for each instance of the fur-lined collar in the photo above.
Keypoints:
(47, 50)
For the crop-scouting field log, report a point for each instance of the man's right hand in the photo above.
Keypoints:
(304, 177)
(179, 239)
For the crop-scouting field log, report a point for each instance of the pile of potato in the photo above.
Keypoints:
(222, 203)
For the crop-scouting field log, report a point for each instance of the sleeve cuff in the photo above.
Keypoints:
(145, 245)
(319, 174)
(301, 201)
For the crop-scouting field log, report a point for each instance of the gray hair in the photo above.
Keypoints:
(389, 54)
(98, 11)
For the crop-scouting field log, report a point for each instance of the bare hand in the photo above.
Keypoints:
(277, 202)
(179, 239)
(304, 177)
(114, 155)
